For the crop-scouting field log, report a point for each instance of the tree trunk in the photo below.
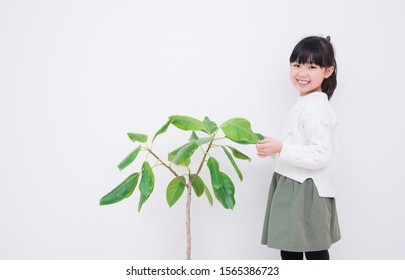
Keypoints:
(188, 220)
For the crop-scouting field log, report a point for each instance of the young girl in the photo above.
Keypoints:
(301, 212)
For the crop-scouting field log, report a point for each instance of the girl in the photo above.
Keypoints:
(301, 212)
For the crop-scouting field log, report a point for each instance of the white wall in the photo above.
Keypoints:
(75, 76)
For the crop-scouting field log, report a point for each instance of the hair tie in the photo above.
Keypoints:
(328, 38)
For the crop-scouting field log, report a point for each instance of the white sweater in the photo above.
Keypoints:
(309, 143)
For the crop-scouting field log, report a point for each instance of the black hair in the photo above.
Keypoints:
(319, 51)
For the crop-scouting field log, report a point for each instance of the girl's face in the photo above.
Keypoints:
(308, 77)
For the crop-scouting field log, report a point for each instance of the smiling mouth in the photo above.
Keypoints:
(301, 82)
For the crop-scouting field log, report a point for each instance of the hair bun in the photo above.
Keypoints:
(328, 38)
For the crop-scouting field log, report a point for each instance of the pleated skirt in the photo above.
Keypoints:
(297, 219)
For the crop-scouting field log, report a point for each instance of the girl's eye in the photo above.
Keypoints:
(296, 65)
(312, 67)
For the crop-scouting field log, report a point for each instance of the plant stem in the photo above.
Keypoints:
(189, 186)
(188, 204)
(188, 221)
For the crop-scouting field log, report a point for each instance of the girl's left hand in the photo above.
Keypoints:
(268, 146)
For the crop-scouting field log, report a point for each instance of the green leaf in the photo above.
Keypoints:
(209, 195)
(174, 191)
(225, 194)
(123, 190)
(173, 154)
(198, 184)
(242, 142)
(213, 167)
(259, 136)
(182, 155)
(129, 159)
(147, 183)
(203, 141)
(147, 180)
(228, 154)
(239, 154)
(138, 137)
(142, 200)
(163, 129)
(193, 136)
(210, 126)
(188, 123)
(239, 130)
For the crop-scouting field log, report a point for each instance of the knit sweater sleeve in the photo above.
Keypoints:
(315, 149)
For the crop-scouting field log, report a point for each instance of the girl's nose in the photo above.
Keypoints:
(301, 73)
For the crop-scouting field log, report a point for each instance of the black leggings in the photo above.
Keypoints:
(314, 255)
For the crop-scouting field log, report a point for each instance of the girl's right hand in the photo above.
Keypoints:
(268, 146)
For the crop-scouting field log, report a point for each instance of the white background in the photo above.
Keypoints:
(76, 76)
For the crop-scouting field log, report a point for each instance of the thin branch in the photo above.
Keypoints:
(202, 162)
(168, 167)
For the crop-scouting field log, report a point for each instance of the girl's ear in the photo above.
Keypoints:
(329, 71)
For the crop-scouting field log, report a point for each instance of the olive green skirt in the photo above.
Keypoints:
(297, 219)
